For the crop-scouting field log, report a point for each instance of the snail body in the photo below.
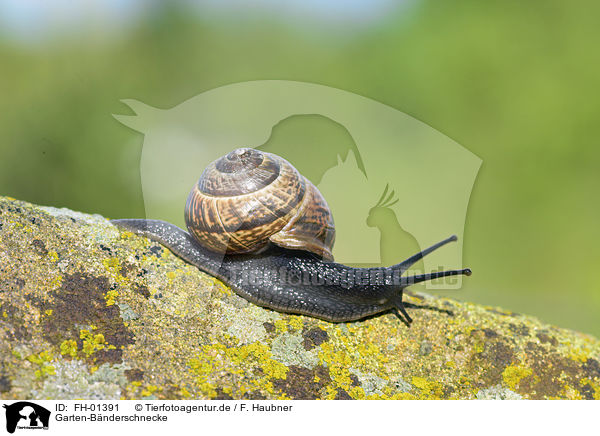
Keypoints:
(284, 264)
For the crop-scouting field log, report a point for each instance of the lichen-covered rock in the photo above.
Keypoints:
(90, 311)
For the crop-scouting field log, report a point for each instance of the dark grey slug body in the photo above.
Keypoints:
(295, 281)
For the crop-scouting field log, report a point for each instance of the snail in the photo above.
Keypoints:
(262, 228)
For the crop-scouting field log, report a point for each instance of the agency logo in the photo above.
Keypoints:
(24, 415)
(394, 184)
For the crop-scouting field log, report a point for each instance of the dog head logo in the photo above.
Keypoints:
(26, 415)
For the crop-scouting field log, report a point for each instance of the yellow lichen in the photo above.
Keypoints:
(340, 376)
(111, 297)
(42, 360)
(184, 392)
(93, 343)
(331, 393)
(220, 286)
(429, 389)
(281, 326)
(236, 361)
(593, 385)
(478, 347)
(68, 348)
(171, 275)
(56, 282)
(296, 322)
(344, 352)
(150, 390)
(570, 393)
(274, 369)
(358, 393)
(403, 396)
(578, 354)
(113, 266)
(464, 380)
(513, 374)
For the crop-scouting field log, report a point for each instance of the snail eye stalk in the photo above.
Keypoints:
(405, 265)
(407, 281)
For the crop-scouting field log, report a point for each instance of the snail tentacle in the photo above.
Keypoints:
(295, 281)
(406, 264)
(407, 281)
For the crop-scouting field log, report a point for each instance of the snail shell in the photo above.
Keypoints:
(248, 198)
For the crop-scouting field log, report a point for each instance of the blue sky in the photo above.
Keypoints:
(35, 19)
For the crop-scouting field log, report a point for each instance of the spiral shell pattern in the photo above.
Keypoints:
(248, 198)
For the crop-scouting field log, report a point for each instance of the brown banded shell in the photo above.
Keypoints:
(247, 198)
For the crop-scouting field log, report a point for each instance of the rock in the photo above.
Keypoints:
(90, 311)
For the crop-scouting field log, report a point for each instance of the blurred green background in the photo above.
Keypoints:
(516, 83)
